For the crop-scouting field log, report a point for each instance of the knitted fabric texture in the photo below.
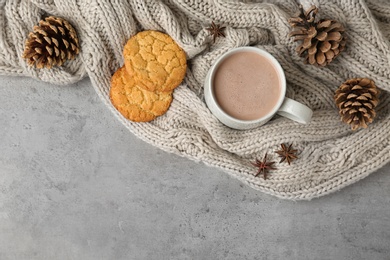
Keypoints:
(331, 155)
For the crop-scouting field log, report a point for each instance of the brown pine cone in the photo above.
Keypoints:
(356, 100)
(52, 43)
(322, 41)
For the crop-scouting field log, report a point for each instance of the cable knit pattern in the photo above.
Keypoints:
(332, 156)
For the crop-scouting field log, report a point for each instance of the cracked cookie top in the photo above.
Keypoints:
(135, 103)
(155, 61)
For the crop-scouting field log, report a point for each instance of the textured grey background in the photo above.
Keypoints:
(75, 184)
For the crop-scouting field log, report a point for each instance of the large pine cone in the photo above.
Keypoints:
(322, 41)
(52, 43)
(356, 100)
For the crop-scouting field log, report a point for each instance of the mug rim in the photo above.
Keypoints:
(274, 62)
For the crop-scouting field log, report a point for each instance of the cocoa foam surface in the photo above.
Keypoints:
(246, 85)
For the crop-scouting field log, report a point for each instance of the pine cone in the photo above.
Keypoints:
(322, 41)
(356, 100)
(52, 43)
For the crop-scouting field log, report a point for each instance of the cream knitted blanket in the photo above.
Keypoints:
(331, 155)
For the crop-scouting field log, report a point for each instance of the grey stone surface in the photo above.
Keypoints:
(75, 184)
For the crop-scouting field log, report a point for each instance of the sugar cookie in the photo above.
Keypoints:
(135, 103)
(156, 62)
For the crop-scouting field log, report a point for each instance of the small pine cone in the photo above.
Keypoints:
(322, 41)
(52, 43)
(356, 100)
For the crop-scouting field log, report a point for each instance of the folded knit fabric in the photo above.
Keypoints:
(332, 156)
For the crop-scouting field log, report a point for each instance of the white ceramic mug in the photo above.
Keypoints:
(285, 106)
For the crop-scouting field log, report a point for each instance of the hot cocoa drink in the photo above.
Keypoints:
(247, 86)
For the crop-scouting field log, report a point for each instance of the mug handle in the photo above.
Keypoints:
(295, 111)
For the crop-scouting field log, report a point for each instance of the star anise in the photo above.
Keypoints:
(216, 30)
(263, 166)
(287, 153)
